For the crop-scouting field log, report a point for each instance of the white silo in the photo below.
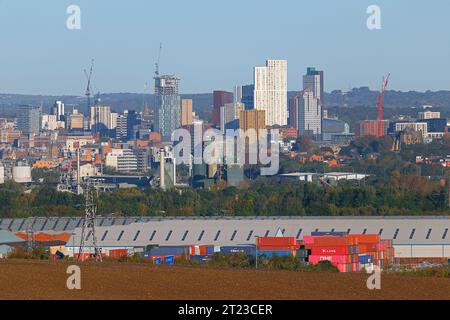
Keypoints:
(21, 174)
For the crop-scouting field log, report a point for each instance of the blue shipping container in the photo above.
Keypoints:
(169, 259)
(365, 259)
(157, 260)
(246, 250)
(201, 258)
(278, 253)
(166, 251)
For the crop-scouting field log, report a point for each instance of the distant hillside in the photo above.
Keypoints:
(203, 101)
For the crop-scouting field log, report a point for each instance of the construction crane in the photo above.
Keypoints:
(88, 93)
(88, 228)
(380, 100)
(157, 62)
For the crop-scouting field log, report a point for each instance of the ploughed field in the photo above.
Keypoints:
(22, 279)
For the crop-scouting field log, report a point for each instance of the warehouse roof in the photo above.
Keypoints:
(243, 231)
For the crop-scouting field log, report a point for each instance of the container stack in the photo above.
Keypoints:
(159, 255)
(350, 253)
(202, 253)
(279, 246)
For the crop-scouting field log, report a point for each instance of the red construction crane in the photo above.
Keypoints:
(380, 100)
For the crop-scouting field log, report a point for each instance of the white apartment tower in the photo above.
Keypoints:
(270, 93)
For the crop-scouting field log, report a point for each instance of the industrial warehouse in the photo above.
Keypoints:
(413, 238)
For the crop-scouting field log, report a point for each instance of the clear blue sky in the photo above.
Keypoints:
(213, 44)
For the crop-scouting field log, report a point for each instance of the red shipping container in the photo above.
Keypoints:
(335, 250)
(282, 248)
(277, 241)
(315, 259)
(118, 253)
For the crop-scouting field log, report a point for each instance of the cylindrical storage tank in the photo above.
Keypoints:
(2, 175)
(21, 174)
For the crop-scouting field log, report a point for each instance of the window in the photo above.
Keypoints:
(184, 235)
(54, 226)
(396, 233)
(168, 235)
(364, 231)
(120, 235)
(283, 231)
(249, 235)
(332, 230)
(201, 235)
(152, 236)
(67, 224)
(88, 235)
(233, 235)
(381, 232)
(317, 230)
(445, 234)
(79, 222)
(136, 235)
(413, 231)
(104, 235)
(299, 233)
(217, 235)
(267, 233)
(348, 231)
(429, 233)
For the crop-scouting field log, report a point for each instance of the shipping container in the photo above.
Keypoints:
(169, 260)
(201, 258)
(276, 241)
(246, 250)
(332, 250)
(278, 253)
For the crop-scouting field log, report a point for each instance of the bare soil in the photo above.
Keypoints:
(36, 280)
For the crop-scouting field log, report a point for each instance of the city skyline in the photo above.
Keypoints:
(124, 42)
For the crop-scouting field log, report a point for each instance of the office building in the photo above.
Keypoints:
(252, 119)
(220, 98)
(372, 127)
(229, 115)
(121, 126)
(122, 160)
(313, 80)
(270, 92)
(100, 119)
(248, 96)
(167, 105)
(309, 115)
(237, 94)
(29, 119)
(334, 127)
(429, 115)
(75, 120)
(133, 122)
(186, 112)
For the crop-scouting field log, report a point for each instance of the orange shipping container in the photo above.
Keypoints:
(277, 241)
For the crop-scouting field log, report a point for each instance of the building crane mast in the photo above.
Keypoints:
(88, 93)
(380, 101)
(157, 62)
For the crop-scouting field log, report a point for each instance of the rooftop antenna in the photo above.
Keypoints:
(157, 62)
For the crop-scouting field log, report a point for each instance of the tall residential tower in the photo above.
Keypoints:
(271, 91)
